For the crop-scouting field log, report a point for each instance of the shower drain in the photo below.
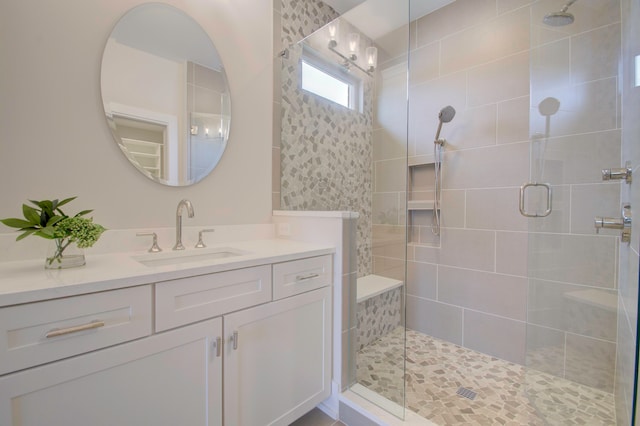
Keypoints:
(467, 393)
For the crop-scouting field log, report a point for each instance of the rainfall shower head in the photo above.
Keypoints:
(558, 19)
(561, 18)
(446, 115)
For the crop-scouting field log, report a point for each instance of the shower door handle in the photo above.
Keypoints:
(523, 190)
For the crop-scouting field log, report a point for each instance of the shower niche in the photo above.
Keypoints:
(421, 200)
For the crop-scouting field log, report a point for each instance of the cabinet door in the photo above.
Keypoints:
(172, 378)
(277, 360)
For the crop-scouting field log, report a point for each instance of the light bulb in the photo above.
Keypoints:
(372, 57)
(334, 30)
(354, 44)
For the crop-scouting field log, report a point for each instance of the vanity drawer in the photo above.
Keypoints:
(299, 276)
(187, 300)
(40, 332)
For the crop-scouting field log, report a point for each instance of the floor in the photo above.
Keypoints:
(507, 394)
(316, 418)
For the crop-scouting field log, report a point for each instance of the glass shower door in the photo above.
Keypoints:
(379, 341)
(343, 147)
(582, 284)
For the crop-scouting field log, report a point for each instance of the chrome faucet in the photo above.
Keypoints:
(189, 206)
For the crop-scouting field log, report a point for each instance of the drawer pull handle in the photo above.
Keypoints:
(306, 277)
(63, 331)
(218, 344)
(234, 340)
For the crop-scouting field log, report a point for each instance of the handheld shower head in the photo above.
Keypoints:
(446, 115)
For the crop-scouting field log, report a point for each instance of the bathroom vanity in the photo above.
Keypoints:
(190, 339)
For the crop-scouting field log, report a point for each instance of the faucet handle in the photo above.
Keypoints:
(154, 247)
(200, 242)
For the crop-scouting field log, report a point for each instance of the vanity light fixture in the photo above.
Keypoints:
(371, 53)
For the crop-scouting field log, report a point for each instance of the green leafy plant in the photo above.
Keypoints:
(47, 220)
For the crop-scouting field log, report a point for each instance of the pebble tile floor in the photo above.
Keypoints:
(507, 394)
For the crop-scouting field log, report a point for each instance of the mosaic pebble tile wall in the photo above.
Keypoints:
(326, 151)
(378, 316)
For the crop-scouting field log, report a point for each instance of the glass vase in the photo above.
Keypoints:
(63, 254)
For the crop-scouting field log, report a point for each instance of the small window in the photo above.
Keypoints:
(322, 84)
(329, 81)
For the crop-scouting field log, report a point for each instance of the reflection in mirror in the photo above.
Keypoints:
(165, 95)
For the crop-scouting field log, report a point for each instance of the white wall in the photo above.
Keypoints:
(54, 140)
(154, 83)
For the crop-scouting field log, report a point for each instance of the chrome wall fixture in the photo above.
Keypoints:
(623, 223)
(617, 174)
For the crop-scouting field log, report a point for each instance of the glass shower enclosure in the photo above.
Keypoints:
(489, 153)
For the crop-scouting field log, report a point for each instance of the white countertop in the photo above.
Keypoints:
(28, 281)
(317, 214)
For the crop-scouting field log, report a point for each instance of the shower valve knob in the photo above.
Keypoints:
(617, 174)
(623, 223)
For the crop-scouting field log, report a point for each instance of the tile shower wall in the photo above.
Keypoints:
(495, 63)
(325, 149)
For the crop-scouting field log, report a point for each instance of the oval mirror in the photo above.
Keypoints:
(165, 94)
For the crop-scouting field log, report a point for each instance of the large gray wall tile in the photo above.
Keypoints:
(497, 294)
(435, 319)
(496, 336)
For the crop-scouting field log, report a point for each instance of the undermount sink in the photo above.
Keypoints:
(191, 256)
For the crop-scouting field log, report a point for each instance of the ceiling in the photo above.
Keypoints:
(376, 18)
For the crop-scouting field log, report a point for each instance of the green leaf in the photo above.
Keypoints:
(46, 232)
(37, 203)
(47, 206)
(83, 212)
(25, 234)
(16, 223)
(65, 201)
(54, 220)
(31, 214)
